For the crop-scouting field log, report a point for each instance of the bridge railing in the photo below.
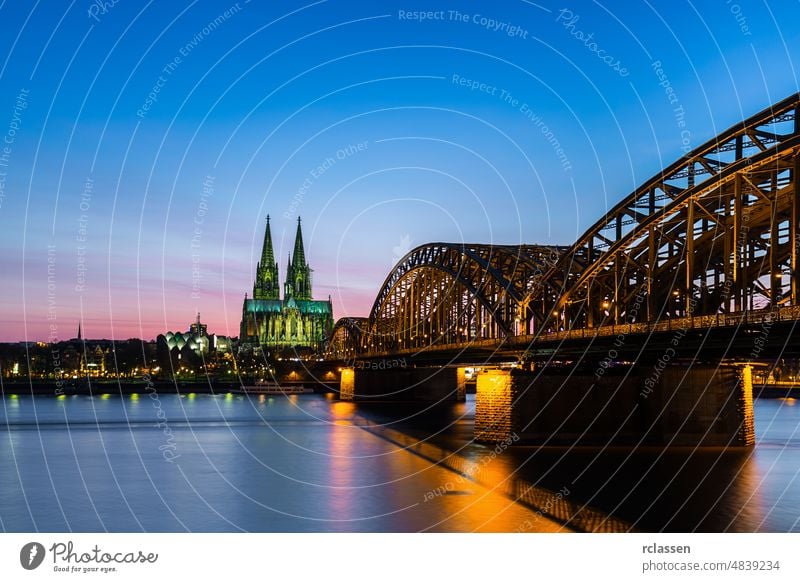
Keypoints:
(678, 324)
(762, 316)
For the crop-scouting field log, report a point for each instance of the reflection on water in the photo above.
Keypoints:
(679, 489)
(235, 463)
(311, 463)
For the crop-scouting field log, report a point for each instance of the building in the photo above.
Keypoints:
(194, 352)
(195, 339)
(297, 320)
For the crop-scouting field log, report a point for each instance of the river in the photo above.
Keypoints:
(308, 463)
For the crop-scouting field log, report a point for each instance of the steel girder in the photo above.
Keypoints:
(692, 239)
(346, 338)
(452, 292)
(714, 232)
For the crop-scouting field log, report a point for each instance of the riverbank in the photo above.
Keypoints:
(52, 388)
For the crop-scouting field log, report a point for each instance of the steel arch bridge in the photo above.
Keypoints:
(444, 293)
(715, 233)
(346, 338)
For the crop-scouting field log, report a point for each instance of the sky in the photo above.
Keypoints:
(144, 143)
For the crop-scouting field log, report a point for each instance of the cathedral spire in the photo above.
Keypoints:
(298, 274)
(266, 285)
(267, 256)
(299, 257)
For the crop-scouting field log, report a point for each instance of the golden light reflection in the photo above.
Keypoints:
(745, 491)
(342, 413)
(340, 466)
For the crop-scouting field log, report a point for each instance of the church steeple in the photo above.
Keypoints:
(266, 284)
(267, 256)
(299, 258)
(298, 273)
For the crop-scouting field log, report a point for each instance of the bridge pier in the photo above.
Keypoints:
(403, 383)
(676, 405)
(347, 384)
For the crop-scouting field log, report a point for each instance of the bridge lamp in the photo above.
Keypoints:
(606, 305)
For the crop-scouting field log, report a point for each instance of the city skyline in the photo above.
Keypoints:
(454, 267)
(140, 166)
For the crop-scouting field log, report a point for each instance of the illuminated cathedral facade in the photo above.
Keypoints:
(297, 320)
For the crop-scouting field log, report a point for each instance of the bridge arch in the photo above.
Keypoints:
(714, 232)
(450, 293)
(346, 338)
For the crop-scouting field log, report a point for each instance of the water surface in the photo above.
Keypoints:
(307, 463)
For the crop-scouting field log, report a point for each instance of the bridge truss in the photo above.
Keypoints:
(716, 232)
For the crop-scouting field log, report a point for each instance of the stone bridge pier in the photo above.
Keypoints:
(406, 383)
(682, 406)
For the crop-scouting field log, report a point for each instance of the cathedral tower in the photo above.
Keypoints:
(266, 285)
(298, 276)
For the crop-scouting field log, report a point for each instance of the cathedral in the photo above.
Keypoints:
(297, 320)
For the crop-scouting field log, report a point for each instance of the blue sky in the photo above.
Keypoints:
(483, 122)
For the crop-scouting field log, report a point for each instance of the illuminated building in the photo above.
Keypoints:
(196, 339)
(295, 321)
